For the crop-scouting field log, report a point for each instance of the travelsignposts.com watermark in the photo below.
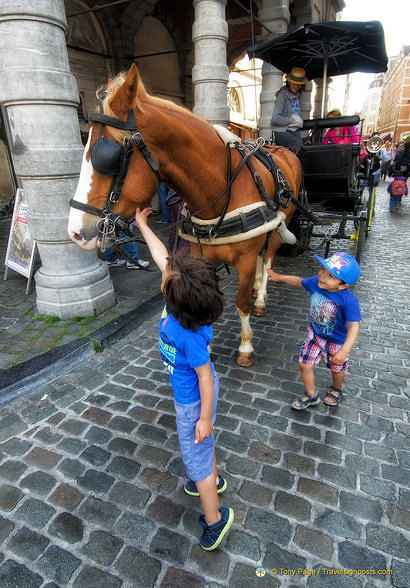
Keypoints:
(260, 572)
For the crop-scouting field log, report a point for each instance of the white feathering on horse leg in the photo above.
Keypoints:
(246, 333)
(260, 301)
(285, 235)
(258, 275)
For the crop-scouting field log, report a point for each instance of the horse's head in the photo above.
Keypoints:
(115, 154)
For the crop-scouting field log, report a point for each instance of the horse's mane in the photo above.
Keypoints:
(142, 97)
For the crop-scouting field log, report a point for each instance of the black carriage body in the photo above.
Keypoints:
(333, 182)
(330, 176)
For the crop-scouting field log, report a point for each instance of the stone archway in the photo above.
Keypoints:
(88, 54)
(161, 71)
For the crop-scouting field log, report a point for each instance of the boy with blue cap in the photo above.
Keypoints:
(334, 324)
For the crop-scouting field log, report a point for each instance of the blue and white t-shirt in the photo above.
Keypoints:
(183, 350)
(331, 311)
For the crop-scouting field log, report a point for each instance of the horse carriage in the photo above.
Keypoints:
(335, 203)
(240, 198)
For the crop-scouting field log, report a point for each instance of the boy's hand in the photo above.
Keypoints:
(141, 217)
(203, 429)
(339, 357)
(273, 276)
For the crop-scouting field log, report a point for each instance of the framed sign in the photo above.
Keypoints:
(8, 180)
(21, 248)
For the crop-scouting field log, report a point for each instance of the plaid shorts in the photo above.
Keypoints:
(314, 348)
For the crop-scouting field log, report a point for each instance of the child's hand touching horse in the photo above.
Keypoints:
(157, 249)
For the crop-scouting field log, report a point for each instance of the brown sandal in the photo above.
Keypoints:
(336, 398)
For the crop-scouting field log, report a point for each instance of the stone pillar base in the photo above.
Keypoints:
(84, 294)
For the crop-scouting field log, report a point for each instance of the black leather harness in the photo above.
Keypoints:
(252, 219)
(110, 158)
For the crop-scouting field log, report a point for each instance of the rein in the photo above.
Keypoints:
(110, 158)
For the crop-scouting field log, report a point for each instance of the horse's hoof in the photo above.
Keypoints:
(245, 359)
(259, 310)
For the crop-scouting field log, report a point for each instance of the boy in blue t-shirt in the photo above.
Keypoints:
(334, 324)
(193, 302)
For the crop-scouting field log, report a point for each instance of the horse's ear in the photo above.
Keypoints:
(126, 95)
(131, 83)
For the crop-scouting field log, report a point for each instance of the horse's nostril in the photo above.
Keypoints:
(77, 237)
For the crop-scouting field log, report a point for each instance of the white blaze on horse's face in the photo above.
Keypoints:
(76, 226)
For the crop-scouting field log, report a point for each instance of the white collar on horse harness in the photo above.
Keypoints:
(110, 158)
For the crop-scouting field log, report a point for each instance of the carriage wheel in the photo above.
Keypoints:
(370, 211)
(359, 237)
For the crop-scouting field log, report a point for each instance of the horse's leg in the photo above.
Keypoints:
(247, 268)
(259, 308)
(258, 276)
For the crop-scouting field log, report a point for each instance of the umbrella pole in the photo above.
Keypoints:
(322, 109)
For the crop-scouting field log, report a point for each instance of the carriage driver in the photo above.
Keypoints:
(334, 324)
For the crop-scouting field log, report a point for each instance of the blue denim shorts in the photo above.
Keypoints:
(198, 458)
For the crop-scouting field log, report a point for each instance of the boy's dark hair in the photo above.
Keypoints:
(191, 290)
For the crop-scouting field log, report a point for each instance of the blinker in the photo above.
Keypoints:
(106, 157)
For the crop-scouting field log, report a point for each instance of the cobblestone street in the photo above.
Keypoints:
(92, 482)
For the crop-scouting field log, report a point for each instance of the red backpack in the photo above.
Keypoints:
(398, 187)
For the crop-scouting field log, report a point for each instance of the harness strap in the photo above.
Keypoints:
(86, 207)
(242, 223)
(214, 229)
(103, 119)
(119, 179)
(140, 143)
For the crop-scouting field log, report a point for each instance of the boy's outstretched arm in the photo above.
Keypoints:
(291, 280)
(157, 249)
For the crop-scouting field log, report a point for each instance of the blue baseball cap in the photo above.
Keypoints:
(342, 266)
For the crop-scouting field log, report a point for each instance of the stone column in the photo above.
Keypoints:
(275, 15)
(210, 73)
(41, 98)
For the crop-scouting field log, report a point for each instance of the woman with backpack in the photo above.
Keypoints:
(397, 188)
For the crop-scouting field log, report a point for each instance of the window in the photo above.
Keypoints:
(234, 101)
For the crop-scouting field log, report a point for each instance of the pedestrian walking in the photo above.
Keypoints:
(193, 301)
(402, 161)
(175, 204)
(386, 155)
(334, 324)
(131, 249)
(162, 194)
(397, 189)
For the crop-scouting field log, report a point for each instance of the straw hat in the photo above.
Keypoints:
(297, 76)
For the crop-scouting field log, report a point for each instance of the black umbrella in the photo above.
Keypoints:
(327, 49)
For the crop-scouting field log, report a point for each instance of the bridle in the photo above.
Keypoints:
(110, 158)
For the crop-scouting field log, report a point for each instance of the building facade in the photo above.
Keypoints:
(371, 107)
(394, 115)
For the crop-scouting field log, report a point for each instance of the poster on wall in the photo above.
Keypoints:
(21, 248)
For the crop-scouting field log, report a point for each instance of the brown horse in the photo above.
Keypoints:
(187, 153)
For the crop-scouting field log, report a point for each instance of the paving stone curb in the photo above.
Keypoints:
(22, 378)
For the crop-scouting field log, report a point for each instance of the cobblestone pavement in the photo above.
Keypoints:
(92, 482)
